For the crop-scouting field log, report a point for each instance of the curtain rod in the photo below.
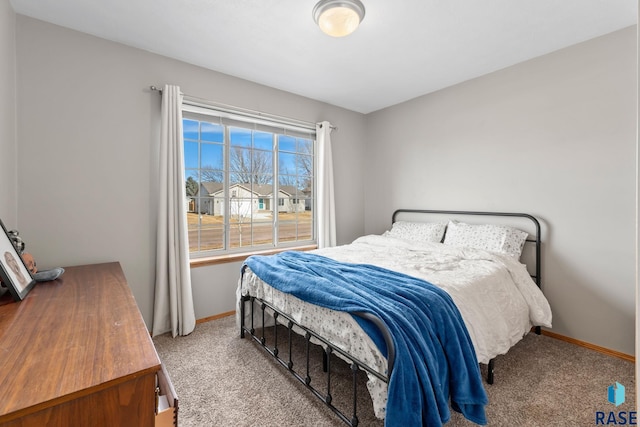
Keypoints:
(204, 102)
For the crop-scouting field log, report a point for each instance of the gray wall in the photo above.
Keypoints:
(8, 155)
(554, 137)
(87, 126)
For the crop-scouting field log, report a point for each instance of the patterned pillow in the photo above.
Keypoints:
(495, 238)
(418, 231)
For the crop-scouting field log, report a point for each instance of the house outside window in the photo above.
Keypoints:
(234, 172)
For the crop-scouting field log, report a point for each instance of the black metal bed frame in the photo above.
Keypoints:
(328, 348)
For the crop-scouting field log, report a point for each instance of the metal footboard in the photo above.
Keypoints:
(285, 356)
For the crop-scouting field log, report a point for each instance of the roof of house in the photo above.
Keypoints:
(258, 189)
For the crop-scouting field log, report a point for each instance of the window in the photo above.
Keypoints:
(249, 185)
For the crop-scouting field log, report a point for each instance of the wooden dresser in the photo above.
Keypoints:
(76, 352)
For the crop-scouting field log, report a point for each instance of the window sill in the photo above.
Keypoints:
(223, 259)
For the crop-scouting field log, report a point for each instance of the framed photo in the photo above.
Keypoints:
(14, 273)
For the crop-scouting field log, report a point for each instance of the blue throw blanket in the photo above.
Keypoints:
(435, 358)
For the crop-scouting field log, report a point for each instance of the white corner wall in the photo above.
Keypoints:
(555, 137)
(88, 134)
(8, 155)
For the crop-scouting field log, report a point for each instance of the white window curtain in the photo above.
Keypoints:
(326, 200)
(173, 306)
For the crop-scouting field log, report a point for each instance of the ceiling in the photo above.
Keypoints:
(403, 49)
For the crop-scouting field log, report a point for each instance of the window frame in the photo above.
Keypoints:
(276, 127)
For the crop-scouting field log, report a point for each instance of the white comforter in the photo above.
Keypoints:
(497, 298)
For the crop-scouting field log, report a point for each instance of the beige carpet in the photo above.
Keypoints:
(223, 380)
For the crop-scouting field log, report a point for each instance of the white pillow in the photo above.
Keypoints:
(495, 238)
(418, 231)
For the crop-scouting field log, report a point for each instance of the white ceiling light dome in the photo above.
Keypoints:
(338, 18)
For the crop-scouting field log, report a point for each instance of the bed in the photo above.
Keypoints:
(485, 264)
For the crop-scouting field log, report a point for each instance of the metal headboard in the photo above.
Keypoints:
(535, 239)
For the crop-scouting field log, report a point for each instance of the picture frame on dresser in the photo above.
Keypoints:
(13, 271)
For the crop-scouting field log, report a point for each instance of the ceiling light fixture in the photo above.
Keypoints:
(338, 18)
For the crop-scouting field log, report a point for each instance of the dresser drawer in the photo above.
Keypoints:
(166, 400)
